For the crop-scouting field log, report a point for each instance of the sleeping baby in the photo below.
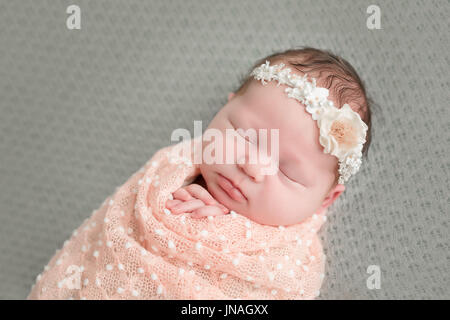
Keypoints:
(243, 226)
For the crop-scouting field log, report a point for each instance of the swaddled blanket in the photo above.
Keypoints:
(134, 248)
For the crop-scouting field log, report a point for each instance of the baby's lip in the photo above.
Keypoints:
(231, 189)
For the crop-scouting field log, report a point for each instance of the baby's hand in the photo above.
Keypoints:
(196, 200)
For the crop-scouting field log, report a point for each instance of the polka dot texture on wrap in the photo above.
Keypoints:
(132, 248)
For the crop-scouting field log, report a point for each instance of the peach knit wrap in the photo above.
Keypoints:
(131, 248)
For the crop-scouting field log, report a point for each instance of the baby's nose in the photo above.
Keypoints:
(254, 169)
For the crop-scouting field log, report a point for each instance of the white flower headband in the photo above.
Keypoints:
(342, 132)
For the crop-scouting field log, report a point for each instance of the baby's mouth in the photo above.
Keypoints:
(230, 189)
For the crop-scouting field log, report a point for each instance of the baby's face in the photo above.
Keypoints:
(301, 186)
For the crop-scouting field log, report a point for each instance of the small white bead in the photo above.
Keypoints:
(130, 231)
(181, 271)
(233, 214)
(274, 292)
(302, 291)
(86, 282)
(198, 246)
(154, 164)
(109, 267)
(235, 261)
(120, 266)
(144, 252)
(135, 293)
(167, 212)
(127, 245)
(160, 289)
(109, 244)
(140, 270)
(154, 276)
(248, 234)
(154, 248)
(305, 268)
(247, 224)
(271, 276)
(97, 281)
(111, 202)
(210, 218)
(207, 266)
(222, 237)
(291, 273)
(170, 244)
(204, 233)
(223, 276)
(279, 266)
(308, 243)
(120, 290)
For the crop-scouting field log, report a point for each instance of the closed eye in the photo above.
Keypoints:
(291, 179)
(239, 133)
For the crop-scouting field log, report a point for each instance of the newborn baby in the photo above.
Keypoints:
(239, 229)
(307, 179)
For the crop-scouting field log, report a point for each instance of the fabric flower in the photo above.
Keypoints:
(342, 132)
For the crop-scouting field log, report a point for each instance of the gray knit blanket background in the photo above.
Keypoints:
(82, 110)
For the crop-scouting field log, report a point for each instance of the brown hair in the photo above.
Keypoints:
(331, 72)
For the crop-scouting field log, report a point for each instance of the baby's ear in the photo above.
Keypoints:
(332, 196)
(231, 95)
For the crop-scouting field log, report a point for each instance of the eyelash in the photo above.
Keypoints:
(246, 138)
(290, 179)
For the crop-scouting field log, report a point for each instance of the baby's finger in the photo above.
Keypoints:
(187, 206)
(206, 211)
(182, 194)
(172, 203)
(201, 193)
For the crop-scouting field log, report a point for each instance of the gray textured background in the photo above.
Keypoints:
(81, 110)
